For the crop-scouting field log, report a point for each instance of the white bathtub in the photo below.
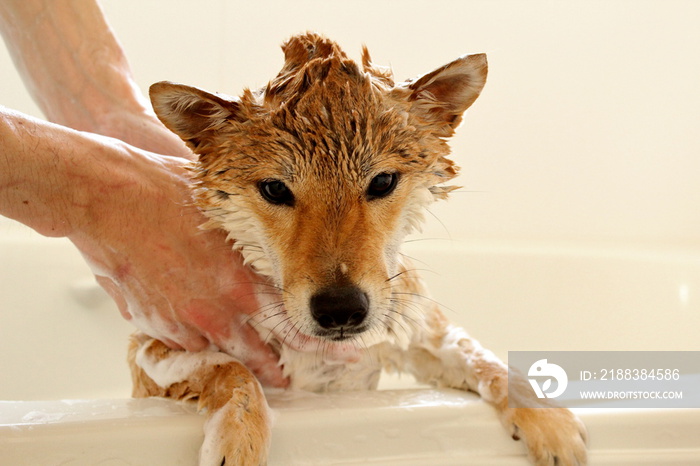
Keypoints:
(63, 340)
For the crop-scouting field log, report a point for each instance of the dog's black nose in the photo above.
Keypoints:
(338, 308)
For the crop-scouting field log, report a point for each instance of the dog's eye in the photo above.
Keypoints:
(276, 192)
(382, 185)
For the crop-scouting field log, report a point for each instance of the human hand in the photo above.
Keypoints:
(175, 282)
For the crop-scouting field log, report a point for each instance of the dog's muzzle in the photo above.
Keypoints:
(340, 311)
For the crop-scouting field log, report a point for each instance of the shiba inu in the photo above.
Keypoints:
(317, 178)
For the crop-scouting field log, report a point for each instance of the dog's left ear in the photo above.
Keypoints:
(441, 96)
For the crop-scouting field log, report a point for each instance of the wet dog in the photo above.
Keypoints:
(317, 178)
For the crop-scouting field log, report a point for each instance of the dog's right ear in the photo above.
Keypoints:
(191, 113)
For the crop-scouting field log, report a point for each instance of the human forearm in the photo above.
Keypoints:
(77, 72)
(47, 174)
(61, 50)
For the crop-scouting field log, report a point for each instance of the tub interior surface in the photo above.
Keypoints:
(69, 339)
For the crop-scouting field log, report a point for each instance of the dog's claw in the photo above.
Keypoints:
(515, 434)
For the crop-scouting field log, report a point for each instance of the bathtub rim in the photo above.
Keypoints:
(311, 422)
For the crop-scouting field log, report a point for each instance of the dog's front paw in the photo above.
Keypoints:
(553, 436)
(237, 434)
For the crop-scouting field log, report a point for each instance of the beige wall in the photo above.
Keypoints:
(588, 129)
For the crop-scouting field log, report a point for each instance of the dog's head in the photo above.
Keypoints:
(320, 175)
